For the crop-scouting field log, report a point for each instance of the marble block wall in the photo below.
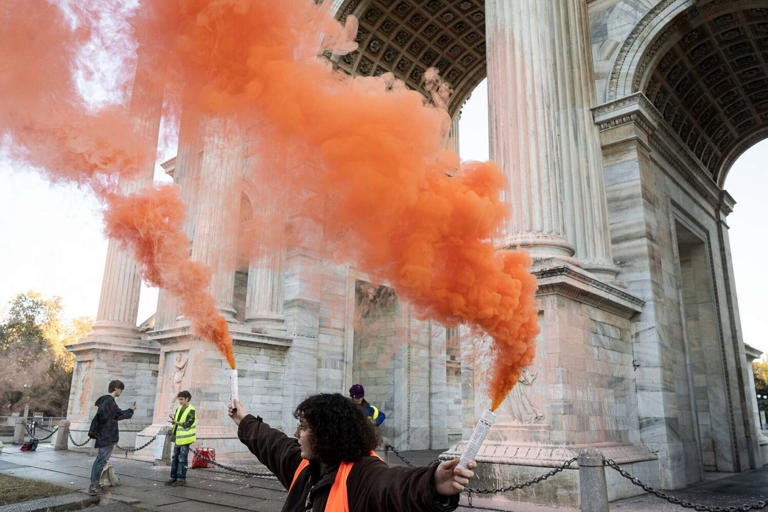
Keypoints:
(96, 364)
(668, 240)
(579, 392)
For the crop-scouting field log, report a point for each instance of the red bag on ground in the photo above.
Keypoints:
(198, 462)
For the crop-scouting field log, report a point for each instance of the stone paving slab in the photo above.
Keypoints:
(64, 502)
(213, 490)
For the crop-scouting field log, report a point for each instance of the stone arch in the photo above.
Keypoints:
(407, 37)
(704, 66)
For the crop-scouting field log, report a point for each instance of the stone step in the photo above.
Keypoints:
(73, 501)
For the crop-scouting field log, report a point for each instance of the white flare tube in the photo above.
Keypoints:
(484, 424)
(234, 395)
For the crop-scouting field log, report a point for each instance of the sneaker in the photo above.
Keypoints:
(172, 481)
(113, 480)
(93, 491)
(180, 483)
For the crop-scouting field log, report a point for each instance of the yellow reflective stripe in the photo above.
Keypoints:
(375, 412)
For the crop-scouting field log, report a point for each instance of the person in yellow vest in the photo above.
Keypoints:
(183, 434)
(330, 466)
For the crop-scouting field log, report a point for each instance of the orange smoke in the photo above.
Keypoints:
(151, 223)
(368, 153)
(51, 127)
(361, 159)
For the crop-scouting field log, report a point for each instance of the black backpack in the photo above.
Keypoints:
(93, 430)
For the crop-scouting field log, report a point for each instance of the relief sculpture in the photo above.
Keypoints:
(176, 374)
(522, 407)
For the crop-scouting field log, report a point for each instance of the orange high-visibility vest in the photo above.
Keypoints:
(337, 498)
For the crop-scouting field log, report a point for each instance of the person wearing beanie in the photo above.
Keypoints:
(374, 415)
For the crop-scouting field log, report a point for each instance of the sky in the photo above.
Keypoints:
(51, 238)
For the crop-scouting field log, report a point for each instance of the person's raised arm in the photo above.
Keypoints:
(377, 488)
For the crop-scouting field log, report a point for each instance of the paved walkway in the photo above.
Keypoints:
(213, 490)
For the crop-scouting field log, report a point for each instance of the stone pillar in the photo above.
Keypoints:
(62, 436)
(540, 93)
(121, 283)
(115, 349)
(453, 134)
(438, 387)
(264, 300)
(584, 205)
(19, 430)
(302, 318)
(593, 491)
(523, 138)
(215, 221)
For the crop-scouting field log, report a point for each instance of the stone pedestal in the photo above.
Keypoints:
(61, 437)
(188, 363)
(579, 393)
(99, 362)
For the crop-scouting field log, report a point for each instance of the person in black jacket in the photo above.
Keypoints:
(335, 439)
(104, 429)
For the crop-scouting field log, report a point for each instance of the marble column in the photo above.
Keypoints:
(215, 217)
(453, 134)
(584, 208)
(540, 93)
(264, 299)
(523, 138)
(121, 283)
(115, 349)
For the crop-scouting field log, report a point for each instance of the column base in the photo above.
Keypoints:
(501, 464)
(540, 246)
(267, 324)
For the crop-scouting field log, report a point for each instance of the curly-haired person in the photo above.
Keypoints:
(329, 465)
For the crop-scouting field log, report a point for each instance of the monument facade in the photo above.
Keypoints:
(616, 122)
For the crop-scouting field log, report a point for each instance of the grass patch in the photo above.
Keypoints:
(15, 490)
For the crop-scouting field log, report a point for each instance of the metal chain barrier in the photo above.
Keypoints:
(51, 432)
(31, 433)
(403, 458)
(400, 456)
(233, 469)
(514, 487)
(87, 440)
(131, 450)
(746, 507)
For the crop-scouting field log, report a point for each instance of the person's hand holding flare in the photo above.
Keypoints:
(238, 412)
(451, 479)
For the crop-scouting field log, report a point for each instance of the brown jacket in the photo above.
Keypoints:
(372, 486)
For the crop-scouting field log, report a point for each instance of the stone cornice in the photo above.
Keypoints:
(239, 337)
(752, 352)
(576, 284)
(637, 109)
(110, 346)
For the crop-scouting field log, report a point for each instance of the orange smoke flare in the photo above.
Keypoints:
(50, 127)
(368, 155)
(366, 152)
(150, 222)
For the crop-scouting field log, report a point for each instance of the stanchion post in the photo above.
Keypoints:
(62, 436)
(593, 490)
(165, 457)
(19, 430)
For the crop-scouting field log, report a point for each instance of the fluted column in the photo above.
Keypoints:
(121, 284)
(584, 190)
(265, 296)
(185, 170)
(217, 198)
(523, 138)
(453, 134)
